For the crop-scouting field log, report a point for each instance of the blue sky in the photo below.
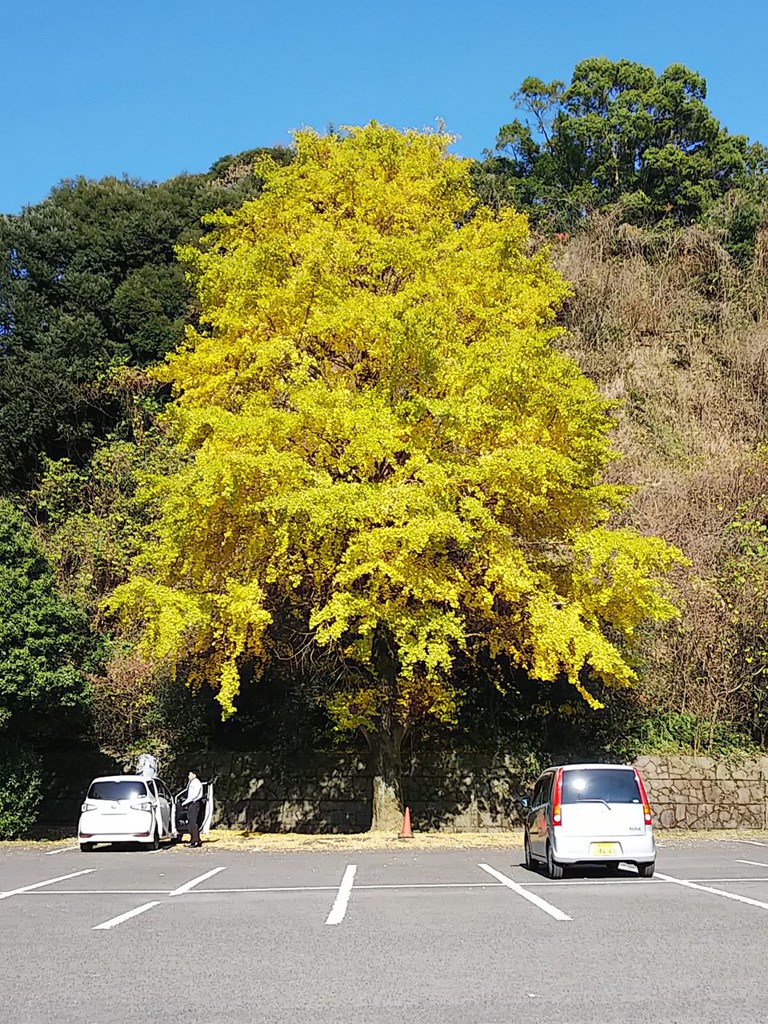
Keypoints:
(151, 88)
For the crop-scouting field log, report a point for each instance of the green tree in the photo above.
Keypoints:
(617, 133)
(45, 640)
(89, 280)
(386, 467)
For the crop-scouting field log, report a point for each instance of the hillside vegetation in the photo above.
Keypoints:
(672, 325)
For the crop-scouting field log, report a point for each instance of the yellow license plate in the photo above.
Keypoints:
(604, 849)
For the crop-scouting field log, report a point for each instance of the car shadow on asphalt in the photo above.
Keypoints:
(583, 872)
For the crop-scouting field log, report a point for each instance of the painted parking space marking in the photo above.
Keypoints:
(276, 888)
(270, 888)
(714, 892)
(287, 888)
(99, 892)
(113, 921)
(64, 849)
(722, 881)
(537, 901)
(339, 908)
(527, 885)
(750, 842)
(583, 882)
(587, 883)
(642, 883)
(49, 881)
(431, 885)
(195, 881)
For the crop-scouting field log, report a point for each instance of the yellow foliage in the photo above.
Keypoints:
(379, 436)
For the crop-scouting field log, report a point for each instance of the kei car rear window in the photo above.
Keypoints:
(117, 790)
(611, 785)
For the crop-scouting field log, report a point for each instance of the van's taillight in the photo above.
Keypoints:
(557, 798)
(647, 816)
(145, 805)
(88, 807)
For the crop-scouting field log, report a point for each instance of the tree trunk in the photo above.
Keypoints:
(386, 742)
(387, 781)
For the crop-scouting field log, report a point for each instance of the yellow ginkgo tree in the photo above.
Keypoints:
(384, 458)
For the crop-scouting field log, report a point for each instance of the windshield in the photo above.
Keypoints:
(122, 790)
(607, 784)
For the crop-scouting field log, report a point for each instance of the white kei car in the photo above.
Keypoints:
(589, 814)
(133, 809)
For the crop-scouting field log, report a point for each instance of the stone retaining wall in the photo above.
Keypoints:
(457, 791)
(700, 792)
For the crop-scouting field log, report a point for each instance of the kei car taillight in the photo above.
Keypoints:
(647, 816)
(88, 807)
(557, 798)
(145, 805)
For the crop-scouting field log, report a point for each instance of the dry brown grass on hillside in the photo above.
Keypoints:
(671, 327)
(666, 327)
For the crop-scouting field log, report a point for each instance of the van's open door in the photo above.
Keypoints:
(205, 824)
(181, 815)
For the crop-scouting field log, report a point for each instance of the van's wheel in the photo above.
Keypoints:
(529, 861)
(554, 870)
(86, 847)
(154, 843)
(646, 870)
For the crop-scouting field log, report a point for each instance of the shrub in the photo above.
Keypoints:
(21, 789)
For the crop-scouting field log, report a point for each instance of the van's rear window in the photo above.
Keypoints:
(613, 786)
(117, 791)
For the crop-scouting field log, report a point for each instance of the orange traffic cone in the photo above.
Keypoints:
(405, 831)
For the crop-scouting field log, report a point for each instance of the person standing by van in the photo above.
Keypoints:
(192, 803)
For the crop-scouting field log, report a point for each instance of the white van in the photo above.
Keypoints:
(589, 814)
(136, 809)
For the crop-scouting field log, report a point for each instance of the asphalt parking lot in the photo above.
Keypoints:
(353, 938)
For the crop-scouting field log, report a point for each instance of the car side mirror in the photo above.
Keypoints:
(525, 803)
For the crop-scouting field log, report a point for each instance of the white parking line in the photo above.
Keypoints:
(195, 881)
(584, 882)
(124, 917)
(750, 842)
(753, 863)
(721, 881)
(64, 849)
(431, 885)
(50, 881)
(641, 883)
(714, 892)
(271, 888)
(339, 908)
(102, 892)
(530, 896)
(577, 882)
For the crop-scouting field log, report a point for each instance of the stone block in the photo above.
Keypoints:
(678, 767)
(700, 769)
(666, 818)
(758, 814)
(746, 772)
(659, 790)
(646, 764)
